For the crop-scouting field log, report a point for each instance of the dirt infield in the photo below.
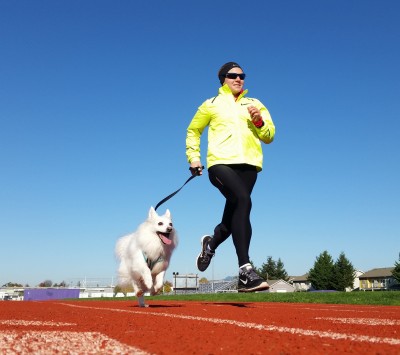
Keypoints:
(120, 327)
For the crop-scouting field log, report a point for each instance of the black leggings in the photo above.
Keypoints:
(236, 183)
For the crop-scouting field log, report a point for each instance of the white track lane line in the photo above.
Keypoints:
(29, 323)
(269, 328)
(363, 321)
(60, 342)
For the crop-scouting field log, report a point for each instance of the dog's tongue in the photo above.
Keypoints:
(164, 239)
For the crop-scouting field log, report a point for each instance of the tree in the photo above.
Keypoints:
(268, 269)
(321, 275)
(280, 271)
(61, 284)
(122, 288)
(344, 273)
(273, 270)
(46, 283)
(167, 287)
(12, 284)
(203, 280)
(117, 289)
(396, 270)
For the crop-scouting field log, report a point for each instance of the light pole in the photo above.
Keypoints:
(175, 275)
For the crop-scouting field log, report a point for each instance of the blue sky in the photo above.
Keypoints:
(96, 96)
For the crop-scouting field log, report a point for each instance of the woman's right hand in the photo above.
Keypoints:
(196, 168)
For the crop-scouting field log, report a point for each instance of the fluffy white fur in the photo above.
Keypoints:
(145, 254)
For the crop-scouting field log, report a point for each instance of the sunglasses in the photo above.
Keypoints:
(235, 75)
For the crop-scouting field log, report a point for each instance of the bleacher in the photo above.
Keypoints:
(218, 286)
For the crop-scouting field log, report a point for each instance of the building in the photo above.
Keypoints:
(356, 283)
(280, 286)
(300, 283)
(378, 279)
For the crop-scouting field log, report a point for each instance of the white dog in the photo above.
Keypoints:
(145, 254)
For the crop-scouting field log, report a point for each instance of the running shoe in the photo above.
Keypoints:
(249, 281)
(204, 258)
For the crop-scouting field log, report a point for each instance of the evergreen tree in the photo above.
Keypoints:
(321, 275)
(280, 271)
(344, 273)
(396, 270)
(273, 270)
(268, 269)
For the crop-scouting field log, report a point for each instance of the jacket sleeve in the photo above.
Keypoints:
(196, 127)
(267, 132)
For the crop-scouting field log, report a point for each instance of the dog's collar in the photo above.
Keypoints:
(150, 263)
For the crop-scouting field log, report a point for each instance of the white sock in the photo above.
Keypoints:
(245, 267)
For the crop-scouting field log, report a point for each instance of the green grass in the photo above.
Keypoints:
(388, 298)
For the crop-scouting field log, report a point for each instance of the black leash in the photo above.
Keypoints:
(195, 172)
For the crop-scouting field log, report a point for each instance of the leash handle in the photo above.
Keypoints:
(195, 172)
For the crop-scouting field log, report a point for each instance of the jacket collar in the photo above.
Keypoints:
(225, 90)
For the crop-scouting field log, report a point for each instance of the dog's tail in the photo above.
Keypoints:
(120, 250)
(121, 246)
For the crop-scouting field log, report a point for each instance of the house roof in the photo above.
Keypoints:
(379, 272)
(274, 282)
(302, 278)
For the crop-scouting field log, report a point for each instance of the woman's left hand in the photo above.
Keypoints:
(255, 114)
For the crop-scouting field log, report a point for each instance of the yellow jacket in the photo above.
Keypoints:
(232, 137)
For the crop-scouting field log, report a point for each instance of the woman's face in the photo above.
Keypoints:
(236, 85)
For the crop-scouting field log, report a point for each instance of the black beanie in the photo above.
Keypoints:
(225, 68)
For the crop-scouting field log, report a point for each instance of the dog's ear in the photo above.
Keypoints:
(152, 213)
(168, 213)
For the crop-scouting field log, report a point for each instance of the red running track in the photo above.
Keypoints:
(111, 327)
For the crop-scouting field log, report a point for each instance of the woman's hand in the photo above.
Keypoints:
(196, 168)
(255, 114)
